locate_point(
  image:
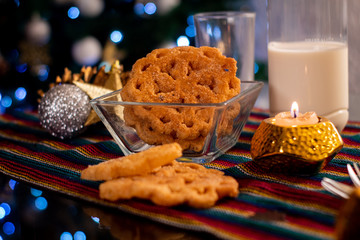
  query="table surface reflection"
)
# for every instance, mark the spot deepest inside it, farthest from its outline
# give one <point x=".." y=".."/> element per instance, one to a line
<point x="31" y="213"/>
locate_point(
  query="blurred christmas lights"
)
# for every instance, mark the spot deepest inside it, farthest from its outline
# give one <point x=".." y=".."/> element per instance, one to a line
<point x="150" y="8"/>
<point x="20" y="93"/>
<point x="116" y="36"/>
<point x="183" y="41"/>
<point x="12" y="184"/>
<point x="41" y="203"/>
<point x="217" y="33"/>
<point x="6" y="101"/>
<point x="6" y="207"/>
<point x="79" y="235"/>
<point x="139" y="9"/>
<point x="209" y="30"/>
<point x="8" y="228"/>
<point x="256" y="68"/>
<point x="90" y="8"/>
<point x="43" y="72"/>
<point x="21" y="68"/>
<point x="38" y="30"/>
<point x="73" y="12"/>
<point x="190" y="20"/>
<point x="66" y="236"/>
<point x="35" y="192"/>
<point x="95" y="219"/>
<point x="106" y="64"/>
<point x="190" y="31"/>
<point x="87" y="51"/>
<point x="2" y="213"/>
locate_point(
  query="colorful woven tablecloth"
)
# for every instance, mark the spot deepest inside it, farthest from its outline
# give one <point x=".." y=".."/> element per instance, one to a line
<point x="268" y="207"/>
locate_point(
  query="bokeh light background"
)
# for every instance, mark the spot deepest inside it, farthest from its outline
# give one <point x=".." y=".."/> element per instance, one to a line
<point x="39" y="38"/>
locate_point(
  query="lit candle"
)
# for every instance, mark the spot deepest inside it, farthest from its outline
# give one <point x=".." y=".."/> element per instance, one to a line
<point x="294" y="118"/>
<point x="295" y="143"/>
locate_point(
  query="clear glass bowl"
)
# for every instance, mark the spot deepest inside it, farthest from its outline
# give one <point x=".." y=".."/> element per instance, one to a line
<point x="207" y="132"/>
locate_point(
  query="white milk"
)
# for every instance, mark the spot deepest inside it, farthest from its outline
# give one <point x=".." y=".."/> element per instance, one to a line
<point x="315" y="74"/>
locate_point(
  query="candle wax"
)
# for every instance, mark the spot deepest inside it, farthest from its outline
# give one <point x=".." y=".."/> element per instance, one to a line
<point x="285" y="119"/>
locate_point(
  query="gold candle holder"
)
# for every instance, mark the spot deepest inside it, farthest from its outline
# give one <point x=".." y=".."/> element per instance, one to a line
<point x="297" y="150"/>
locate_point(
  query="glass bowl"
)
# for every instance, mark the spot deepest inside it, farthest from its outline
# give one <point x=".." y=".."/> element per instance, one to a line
<point x="208" y="130"/>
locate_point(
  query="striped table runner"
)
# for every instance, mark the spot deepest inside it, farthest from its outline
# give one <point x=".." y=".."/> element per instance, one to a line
<point x="268" y="207"/>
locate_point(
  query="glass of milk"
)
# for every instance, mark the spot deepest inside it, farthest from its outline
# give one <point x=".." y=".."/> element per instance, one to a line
<point x="233" y="33"/>
<point x="308" y="57"/>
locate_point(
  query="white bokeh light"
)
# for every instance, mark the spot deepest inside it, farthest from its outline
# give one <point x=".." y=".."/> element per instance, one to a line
<point x="183" y="41"/>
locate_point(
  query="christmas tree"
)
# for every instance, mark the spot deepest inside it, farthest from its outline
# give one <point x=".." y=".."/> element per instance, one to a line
<point x="40" y="38"/>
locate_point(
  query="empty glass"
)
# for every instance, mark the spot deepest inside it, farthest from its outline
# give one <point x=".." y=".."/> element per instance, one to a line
<point x="233" y="33"/>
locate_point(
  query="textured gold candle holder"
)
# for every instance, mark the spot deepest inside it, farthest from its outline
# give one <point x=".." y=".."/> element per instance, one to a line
<point x="298" y="150"/>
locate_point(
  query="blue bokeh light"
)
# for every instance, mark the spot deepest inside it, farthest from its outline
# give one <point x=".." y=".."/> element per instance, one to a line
<point x="2" y="213"/>
<point x="190" y="20"/>
<point x="139" y="8"/>
<point x="183" y="41"/>
<point x="41" y="203"/>
<point x="107" y="66"/>
<point x="12" y="184"/>
<point x="66" y="236"/>
<point x="217" y="32"/>
<point x="95" y="219"/>
<point x="1" y="238"/>
<point x="116" y="36"/>
<point x="73" y="12"/>
<point x="190" y="31"/>
<point x="8" y="228"/>
<point x="43" y="72"/>
<point x="150" y="8"/>
<point x="6" y="207"/>
<point x="256" y="68"/>
<point x="209" y="30"/>
<point x="17" y="2"/>
<point x="6" y="101"/>
<point x="35" y="192"/>
<point x="20" y="93"/>
<point x="79" y="235"/>
<point x="21" y="68"/>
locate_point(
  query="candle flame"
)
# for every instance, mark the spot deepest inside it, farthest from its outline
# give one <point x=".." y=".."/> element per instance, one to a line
<point x="294" y="109"/>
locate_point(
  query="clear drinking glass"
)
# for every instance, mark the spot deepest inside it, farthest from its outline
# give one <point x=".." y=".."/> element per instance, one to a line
<point x="233" y="33"/>
<point x="308" y="57"/>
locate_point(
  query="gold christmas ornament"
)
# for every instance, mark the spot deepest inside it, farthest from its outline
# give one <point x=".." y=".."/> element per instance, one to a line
<point x="94" y="83"/>
<point x="92" y="91"/>
<point x="113" y="81"/>
<point x="299" y="150"/>
<point x="105" y="83"/>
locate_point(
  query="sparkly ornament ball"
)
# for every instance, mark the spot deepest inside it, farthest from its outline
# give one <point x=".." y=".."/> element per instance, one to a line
<point x="63" y="110"/>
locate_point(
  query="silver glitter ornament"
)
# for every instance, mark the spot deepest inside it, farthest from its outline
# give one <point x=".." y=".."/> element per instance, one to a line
<point x="63" y="110"/>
